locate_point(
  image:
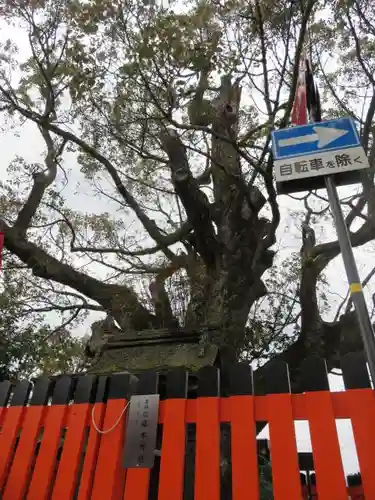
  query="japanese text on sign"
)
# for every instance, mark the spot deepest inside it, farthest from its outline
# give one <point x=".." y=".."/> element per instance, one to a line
<point x="298" y="167"/>
<point x="141" y="431"/>
<point x="321" y="164"/>
<point x="142" y="416"/>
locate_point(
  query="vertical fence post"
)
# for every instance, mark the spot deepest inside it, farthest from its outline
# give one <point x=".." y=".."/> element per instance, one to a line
<point x="245" y="474"/>
<point x="284" y="457"/>
<point x="330" y="478"/>
<point x="11" y="428"/>
<point x="20" y="472"/>
<point x="138" y="480"/>
<point x="79" y="414"/>
<point x="108" y="466"/>
<point x="171" y="483"/>
<point x="93" y="444"/>
<point x="207" y="457"/>
<point x="54" y="423"/>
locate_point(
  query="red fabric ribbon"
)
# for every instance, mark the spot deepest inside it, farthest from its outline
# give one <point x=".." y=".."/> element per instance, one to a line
<point x="299" y="111"/>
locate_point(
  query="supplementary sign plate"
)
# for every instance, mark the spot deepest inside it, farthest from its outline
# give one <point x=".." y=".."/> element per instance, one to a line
<point x="326" y="163"/>
<point x="141" y="432"/>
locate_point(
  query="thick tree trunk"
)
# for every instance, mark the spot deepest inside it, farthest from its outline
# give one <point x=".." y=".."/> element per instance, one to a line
<point x="218" y="311"/>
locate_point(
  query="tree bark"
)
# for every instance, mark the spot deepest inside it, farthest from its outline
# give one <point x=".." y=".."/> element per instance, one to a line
<point x="120" y="301"/>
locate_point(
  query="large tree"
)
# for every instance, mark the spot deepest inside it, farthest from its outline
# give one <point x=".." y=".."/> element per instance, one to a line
<point x="165" y="114"/>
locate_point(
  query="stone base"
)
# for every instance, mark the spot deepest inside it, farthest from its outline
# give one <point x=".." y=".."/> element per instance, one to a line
<point x="159" y="357"/>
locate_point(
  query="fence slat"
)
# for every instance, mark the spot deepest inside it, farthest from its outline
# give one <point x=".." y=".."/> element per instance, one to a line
<point x="11" y="427"/>
<point x="45" y="465"/>
<point x="108" y="466"/>
<point x="171" y="481"/>
<point x="245" y="482"/>
<point x="138" y="480"/>
<point x="137" y="483"/>
<point x="4" y="392"/>
<point x="362" y="403"/>
<point x="21" y="467"/>
<point x="274" y="380"/>
<point x="354" y="371"/>
<point x="19" y="473"/>
<point x="66" y="478"/>
<point x="313" y="374"/>
<point x="207" y="457"/>
<point x="284" y="458"/>
<point x="329" y="471"/>
<point x="92" y="449"/>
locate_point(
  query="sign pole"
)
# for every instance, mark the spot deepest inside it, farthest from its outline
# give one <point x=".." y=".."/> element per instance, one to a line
<point x="355" y="286"/>
<point x="334" y="147"/>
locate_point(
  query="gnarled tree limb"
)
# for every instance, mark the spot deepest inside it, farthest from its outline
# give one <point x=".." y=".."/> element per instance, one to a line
<point x="42" y="180"/>
<point x="121" y="300"/>
<point x="193" y="199"/>
<point x="332" y="249"/>
<point x="159" y="295"/>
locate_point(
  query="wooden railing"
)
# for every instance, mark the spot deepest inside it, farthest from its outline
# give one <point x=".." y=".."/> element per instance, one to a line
<point x="50" y="448"/>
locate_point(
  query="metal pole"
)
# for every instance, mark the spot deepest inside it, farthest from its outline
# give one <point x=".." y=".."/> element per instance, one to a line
<point x="355" y="286"/>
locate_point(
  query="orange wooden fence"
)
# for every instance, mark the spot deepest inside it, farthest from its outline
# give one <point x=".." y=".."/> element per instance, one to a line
<point x="49" y="448"/>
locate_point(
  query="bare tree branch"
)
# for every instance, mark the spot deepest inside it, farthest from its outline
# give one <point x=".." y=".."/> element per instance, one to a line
<point x="332" y="249"/>
<point x="359" y="50"/>
<point x="148" y="224"/>
<point x="350" y="301"/>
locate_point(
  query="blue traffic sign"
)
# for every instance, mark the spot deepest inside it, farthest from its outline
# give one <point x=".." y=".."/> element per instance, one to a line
<point x="314" y="138"/>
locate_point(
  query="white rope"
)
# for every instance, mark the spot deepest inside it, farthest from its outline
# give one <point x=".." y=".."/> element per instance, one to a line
<point x="102" y="431"/>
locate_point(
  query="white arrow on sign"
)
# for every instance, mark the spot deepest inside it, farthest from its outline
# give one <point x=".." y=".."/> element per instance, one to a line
<point x="324" y="136"/>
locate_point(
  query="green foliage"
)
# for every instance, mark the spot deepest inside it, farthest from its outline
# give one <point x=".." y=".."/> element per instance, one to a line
<point x="26" y="353"/>
<point x="28" y="350"/>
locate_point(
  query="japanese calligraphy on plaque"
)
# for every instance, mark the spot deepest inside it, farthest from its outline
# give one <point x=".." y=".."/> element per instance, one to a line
<point x="141" y="431"/>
